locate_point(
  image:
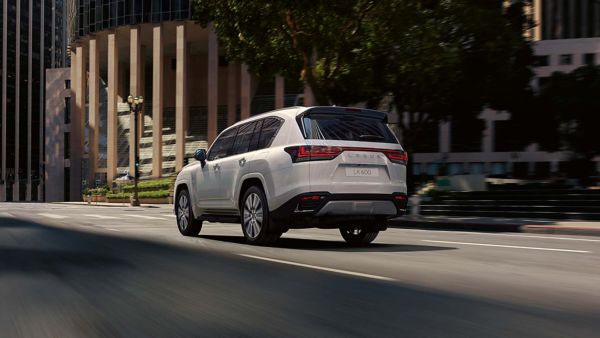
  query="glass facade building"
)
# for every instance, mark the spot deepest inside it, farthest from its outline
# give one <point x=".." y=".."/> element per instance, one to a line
<point x="570" y="19"/>
<point x="97" y="15"/>
<point x="32" y="40"/>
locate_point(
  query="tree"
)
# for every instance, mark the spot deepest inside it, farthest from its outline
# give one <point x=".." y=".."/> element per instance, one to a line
<point x="318" y="41"/>
<point x="438" y="59"/>
<point x="455" y="58"/>
<point x="568" y="105"/>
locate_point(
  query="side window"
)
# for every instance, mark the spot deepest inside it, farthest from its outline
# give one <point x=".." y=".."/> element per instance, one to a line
<point x="223" y="145"/>
<point x="242" y="140"/>
<point x="268" y="131"/>
<point x="255" y="136"/>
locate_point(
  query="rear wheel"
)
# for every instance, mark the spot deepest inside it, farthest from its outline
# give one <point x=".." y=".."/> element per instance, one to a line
<point x="358" y="236"/>
<point x="186" y="222"/>
<point x="255" y="219"/>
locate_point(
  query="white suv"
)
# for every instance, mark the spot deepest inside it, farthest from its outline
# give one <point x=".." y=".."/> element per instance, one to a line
<point x="324" y="167"/>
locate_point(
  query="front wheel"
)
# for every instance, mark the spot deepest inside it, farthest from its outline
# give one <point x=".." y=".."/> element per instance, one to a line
<point x="255" y="219"/>
<point x="358" y="236"/>
<point x="186" y="222"/>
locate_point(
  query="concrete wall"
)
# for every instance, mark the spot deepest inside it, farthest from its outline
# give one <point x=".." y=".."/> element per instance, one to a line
<point x="55" y="128"/>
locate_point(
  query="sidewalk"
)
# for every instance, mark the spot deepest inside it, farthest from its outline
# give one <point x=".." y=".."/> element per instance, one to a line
<point x="121" y="205"/>
<point x="493" y="224"/>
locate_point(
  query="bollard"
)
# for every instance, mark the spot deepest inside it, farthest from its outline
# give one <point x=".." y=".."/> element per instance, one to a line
<point x="415" y="205"/>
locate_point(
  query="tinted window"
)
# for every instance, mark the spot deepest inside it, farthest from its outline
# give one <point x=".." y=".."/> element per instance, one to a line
<point x="255" y="136"/>
<point x="268" y="131"/>
<point x="242" y="140"/>
<point x="347" y="127"/>
<point x="223" y="145"/>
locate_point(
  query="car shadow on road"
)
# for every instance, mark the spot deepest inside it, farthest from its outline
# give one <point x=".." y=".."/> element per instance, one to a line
<point x="322" y="245"/>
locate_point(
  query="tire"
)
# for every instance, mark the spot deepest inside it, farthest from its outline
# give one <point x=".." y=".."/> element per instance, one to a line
<point x="255" y="218"/>
<point x="187" y="224"/>
<point x="358" y="236"/>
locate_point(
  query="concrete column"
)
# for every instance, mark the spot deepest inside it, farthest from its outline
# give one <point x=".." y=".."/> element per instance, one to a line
<point x="134" y="89"/>
<point x="78" y="123"/>
<point x="157" y="100"/>
<point x="213" y="83"/>
<point x="181" y="108"/>
<point x="279" y="92"/>
<point x="112" y="97"/>
<point x="94" y="109"/>
<point x="445" y="140"/>
<point x="537" y="12"/>
<point x="245" y="92"/>
<point x="4" y="66"/>
<point x="309" y="98"/>
<point x="17" y="103"/>
<point x="232" y="92"/>
<point x="29" y="103"/>
<point x="488" y="136"/>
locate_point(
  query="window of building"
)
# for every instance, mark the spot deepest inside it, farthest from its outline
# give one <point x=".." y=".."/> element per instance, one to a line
<point x="589" y="59"/>
<point x="67" y="110"/>
<point x="565" y="59"/>
<point x="498" y="169"/>
<point x="476" y="168"/>
<point x="67" y="84"/>
<point x="455" y="168"/>
<point x="542" y="61"/>
<point x="433" y="169"/>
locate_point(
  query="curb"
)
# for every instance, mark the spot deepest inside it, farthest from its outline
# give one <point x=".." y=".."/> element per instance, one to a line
<point x="560" y="230"/>
<point x="495" y="227"/>
<point x="454" y="226"/>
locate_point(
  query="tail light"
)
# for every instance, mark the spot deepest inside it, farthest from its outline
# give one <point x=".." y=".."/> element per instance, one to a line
<point x="323" y="153"/>
<point x="397" y="156"/>
<point x="313" y="153"/>
<point x="310" y="202"/>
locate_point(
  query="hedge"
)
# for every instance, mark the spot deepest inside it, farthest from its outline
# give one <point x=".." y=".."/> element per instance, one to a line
<point x="150" y="185"/>
<point x="102" y="191"/>
<point x="141" y="194"/>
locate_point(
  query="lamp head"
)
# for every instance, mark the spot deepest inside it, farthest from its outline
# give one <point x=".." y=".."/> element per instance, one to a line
<point x="130" y="99"/>
<point x="136" y="100"/>
<point x="141" y="99"/>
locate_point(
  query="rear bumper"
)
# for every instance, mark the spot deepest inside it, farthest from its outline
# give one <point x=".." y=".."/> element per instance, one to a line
<point x="338" y="210"/>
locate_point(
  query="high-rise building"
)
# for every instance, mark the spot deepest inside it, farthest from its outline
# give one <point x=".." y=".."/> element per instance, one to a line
<point x="32" y="40"/>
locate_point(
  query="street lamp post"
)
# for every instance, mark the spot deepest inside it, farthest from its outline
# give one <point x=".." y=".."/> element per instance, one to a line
<point x="136" y="105"/>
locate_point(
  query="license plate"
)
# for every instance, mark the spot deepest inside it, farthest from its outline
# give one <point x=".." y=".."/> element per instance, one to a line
<point x="362" y="172"/>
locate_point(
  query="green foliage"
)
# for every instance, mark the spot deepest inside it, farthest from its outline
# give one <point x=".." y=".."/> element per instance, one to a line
<point x="150" y="185"/>
<point x="569" y="108"/>
<point x="143" y="194"/>
<point x="101" y="191"/>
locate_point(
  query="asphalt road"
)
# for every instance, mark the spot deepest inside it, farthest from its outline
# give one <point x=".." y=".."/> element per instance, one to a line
<point x="79" y="271"/>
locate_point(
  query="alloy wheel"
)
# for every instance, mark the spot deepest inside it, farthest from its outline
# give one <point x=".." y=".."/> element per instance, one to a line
<point x="253" y="215"/>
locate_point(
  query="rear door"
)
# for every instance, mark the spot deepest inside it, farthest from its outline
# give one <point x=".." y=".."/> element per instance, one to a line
<point x="353" y="151"/>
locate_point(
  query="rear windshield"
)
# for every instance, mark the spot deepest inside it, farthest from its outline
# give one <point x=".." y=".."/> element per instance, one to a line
<point x="346" y="127"/>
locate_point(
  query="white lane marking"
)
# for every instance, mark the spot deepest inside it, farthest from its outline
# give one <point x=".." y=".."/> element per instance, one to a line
<point x="511" y="235"/>
<point x="55" y="216"/>
<point x="343" y="272"/>
<point x="111" y="229"/>
<point x="6" y="214"/>
<point x="102" y="216"/>
<point x="507" y="246"/>
<point x="146" y="217"/>
<point x="551" y="237"/>
<point x="169" y="215"/>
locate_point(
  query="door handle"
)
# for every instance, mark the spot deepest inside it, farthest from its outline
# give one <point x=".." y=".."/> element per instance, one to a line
<point x="242" y="162"/>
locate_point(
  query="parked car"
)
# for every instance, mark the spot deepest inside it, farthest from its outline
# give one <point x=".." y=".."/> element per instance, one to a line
<point x="300" y="167"/>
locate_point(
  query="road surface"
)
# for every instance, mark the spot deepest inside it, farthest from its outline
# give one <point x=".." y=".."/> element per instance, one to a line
<point x="75" y="271"/>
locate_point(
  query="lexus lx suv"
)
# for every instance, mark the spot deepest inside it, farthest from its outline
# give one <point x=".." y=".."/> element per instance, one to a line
<point x="300" y="167"/>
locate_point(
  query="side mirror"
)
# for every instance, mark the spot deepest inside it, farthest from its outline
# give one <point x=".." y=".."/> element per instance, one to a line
<point x="200" y="156"/>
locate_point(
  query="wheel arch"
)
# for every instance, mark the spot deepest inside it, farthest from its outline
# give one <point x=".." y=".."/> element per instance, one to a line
<point x="249" y="181"/>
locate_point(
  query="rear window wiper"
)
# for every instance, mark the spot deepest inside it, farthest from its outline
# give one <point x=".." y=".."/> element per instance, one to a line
<point x="371" y="137"/>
